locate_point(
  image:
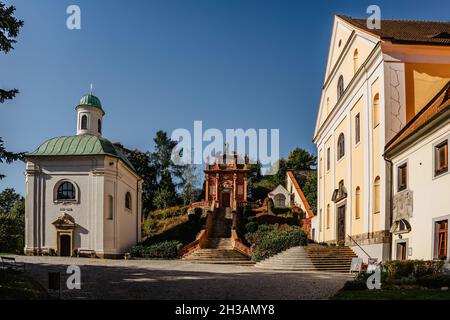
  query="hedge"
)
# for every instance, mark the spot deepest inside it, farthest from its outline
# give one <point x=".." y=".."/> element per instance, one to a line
<point x="161" y="250"/>
<point x="398" y="269"/>
<point x="269" y="240"/>
<point x="434" y="281"/>
<point x="168" y="213"/>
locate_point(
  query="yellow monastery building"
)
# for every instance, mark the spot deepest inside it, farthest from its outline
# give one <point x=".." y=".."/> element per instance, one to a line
<point x="376" y="84"/>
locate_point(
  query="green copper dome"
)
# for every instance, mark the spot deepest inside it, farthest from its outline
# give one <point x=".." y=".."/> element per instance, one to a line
<point x="90" y="100"/>
<point x="81" y="145"/>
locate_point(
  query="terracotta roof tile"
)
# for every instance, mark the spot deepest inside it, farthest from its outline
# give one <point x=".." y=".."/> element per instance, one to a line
<point x="407" y="31"/>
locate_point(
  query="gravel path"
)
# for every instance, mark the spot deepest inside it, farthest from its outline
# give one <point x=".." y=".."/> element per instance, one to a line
<point x="176" y="279"/>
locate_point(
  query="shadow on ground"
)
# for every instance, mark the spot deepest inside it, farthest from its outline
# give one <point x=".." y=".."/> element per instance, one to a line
<point x="134" y="282"/>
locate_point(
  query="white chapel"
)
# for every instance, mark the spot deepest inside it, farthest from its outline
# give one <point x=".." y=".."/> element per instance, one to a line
<point x="83" y="196"/>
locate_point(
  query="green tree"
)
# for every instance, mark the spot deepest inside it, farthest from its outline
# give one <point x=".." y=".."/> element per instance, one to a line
<point x="8" y="199"/>
<point x="12" y="221"/>
<point x="9" y="30"/>
<point x="190" y="181"/>
<point x="166" y="170"/>
<point x="144" y="166"/>
<point x="164" y="198"/>
<point x="300" y="159"/>
<point x="310" y="191"/>
<point x="280" y="176"/>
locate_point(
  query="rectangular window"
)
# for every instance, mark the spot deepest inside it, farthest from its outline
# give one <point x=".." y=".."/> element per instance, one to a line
<point x="110" y="208"/>
<point x="328" y="159"/>
<point x="402" y="177"/>
<point x="240" y="190"/>
<point x="357" y="129"/>
<point x="441" y="239"/>
<point x="212" y="189"/>
<point x="441" y="158"/>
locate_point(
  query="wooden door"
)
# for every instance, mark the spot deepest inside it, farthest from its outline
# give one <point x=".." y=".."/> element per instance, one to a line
<point x="341" y="225"/>
<point x="65" y="245"/>
<point x="225" y="200"/>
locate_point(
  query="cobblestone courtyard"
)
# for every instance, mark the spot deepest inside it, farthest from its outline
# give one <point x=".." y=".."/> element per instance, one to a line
<point x="158" y="279"/>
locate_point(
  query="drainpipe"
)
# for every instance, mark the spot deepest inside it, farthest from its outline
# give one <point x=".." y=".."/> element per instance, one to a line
<point x="391" y="199"/>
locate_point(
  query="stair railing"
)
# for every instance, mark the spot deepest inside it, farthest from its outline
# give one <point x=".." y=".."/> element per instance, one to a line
<point x="359" y="246"/>
<point x="235" y="241"/>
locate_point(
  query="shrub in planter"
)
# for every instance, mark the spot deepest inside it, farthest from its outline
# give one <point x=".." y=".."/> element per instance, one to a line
<point x="160" y="250"/>
<point x="434" y="281"/>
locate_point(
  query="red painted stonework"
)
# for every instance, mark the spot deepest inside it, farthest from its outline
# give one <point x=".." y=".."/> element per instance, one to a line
<point x="226" y="181"/>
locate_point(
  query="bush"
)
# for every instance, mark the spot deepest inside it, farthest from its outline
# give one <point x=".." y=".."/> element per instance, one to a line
<point x="252" y="226"/>
<point x="161" y="250"/>
<point x="355" y="285"/>
<point x="169" y="212"/>
<point x="149" y="226"/>
<point x="269" y="240"/>
<point x="252" y="219"/>
<point x="198" y="212"/>
<point x="282" y="211"/>
<point x="434" y="281"/>
<point x="398" y="269"/>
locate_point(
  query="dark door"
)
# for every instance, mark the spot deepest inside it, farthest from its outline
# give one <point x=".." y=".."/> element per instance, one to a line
<point x="225" y="200"/>
<point x="64" y="245"/>
<point x="401" y="251"/>
<point x="341" y="225"/>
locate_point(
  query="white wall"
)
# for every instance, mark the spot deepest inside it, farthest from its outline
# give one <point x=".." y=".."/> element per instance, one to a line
<point x="430" y="195"/>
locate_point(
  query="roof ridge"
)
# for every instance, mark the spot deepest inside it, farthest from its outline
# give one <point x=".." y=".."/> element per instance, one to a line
<point x="400" y="20"/>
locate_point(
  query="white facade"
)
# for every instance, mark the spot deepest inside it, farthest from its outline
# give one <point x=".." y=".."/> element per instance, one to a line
<point x="429" y="194"/>
<point x="98" y="219"/>
<point x="280" y="197"/>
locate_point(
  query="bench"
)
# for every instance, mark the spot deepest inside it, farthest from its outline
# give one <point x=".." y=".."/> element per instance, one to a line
<point x="86" y="253"/>
<point x="11" y="263"/>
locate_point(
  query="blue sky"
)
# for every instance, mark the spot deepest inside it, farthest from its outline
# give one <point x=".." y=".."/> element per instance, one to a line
<point x="163" y="64"/>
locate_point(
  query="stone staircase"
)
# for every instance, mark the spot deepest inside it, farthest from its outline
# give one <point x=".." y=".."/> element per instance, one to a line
<point x="311" y="258"/>
<point x="218" y="248"/>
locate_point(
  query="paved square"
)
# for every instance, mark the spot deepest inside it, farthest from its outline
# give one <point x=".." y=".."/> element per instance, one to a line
<point x="176" y="279"/>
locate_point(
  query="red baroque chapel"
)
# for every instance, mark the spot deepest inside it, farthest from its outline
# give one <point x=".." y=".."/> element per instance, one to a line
<point x="226" y="181"/>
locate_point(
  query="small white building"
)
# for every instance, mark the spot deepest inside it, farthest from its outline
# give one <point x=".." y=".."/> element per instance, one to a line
<point x="280" y="196"/>
<point x="421" y="182"/>
<point x="82" y="193"/>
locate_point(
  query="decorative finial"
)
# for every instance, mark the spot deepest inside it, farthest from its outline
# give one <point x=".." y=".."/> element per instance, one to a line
<point x="90" y="89"/>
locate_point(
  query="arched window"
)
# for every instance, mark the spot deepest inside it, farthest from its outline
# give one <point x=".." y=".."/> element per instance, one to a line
<point x="341" y="146"/>
<point x="328" y="216"/>
<point x="128" y="200"/>
<point x="99" y="125"/>
<point x="376" y="195"/>
<point x="355" y="61"/>
<point x="84" y="122"/>
<point x="358" y="203"/>
<point x="66" y="191"/>
<point x="340" y="87"/>
<point x="376" y="110"/>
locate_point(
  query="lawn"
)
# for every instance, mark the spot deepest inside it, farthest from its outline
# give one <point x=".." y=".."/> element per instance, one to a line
<point x="394" y="293"/>
<point x="15" y="285"/>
